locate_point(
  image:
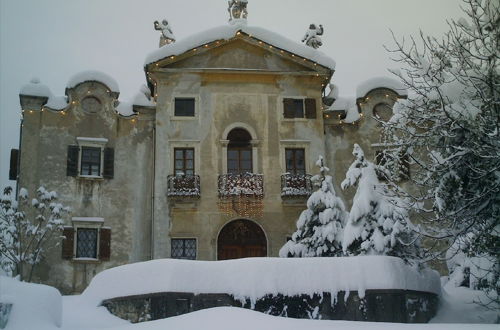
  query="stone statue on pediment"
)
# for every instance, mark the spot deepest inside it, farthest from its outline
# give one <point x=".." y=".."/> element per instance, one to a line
<point x="237" y="10"/>
<point x="312" y="37"/>
<point x="166" y="37"/>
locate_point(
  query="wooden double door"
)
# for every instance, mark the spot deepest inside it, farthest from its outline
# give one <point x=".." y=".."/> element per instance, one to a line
<point x="241" y="239"/>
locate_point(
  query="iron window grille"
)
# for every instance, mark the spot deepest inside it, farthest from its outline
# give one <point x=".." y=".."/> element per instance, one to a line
<point x="183" y="248"/>
<point x="86" y="243"/>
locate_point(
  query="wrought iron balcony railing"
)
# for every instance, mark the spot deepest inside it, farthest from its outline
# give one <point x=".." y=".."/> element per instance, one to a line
<point x="295" y="185"/>
<point x="247" y="184"/>
<point x="183" y="185"/>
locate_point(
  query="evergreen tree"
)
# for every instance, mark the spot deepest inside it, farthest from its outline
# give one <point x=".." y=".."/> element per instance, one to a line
<point x="319" y="228"/>
<point x="377" y="223"/>
<point x="450" y="128"/>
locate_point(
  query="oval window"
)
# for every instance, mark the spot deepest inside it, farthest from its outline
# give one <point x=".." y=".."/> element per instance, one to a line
<point x="91" y="104"/>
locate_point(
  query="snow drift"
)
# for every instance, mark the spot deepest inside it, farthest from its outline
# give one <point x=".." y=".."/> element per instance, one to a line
<point x="34" y="306"/>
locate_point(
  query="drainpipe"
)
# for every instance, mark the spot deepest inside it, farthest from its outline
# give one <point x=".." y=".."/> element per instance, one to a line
<point x="153" y="192"/>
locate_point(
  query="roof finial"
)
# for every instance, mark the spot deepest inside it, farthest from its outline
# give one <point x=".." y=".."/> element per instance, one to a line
<point x="237" y="11"/>
<point x="167" y="37"/>
<point x="311" y="38"/>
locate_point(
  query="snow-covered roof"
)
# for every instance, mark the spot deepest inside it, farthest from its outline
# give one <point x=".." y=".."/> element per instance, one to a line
<point x="57" y="102"/>
<point x="380" y="82"/>
<point x="343" y="103"/>
<point x="227" y="32"/>
<point x="93" y="76"/>
<point x="35" y="88"/>
<point x="349" y="106"/>
<point x="243" y="278"/>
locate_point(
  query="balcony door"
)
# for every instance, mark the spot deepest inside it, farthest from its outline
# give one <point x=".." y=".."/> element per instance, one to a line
<point x="239" y="152"/>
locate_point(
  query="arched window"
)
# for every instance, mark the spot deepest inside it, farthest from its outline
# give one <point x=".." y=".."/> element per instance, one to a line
<point x="239" y="152"/>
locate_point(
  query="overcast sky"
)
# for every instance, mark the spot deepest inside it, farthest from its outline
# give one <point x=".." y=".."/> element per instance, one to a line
<point x="54" y="39"/>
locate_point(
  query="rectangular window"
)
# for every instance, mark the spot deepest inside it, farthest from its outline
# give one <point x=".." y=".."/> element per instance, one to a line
<point x="184" y="107"/>
<point x="184" y="161"/>
<point x="183" y="248"/>
<point x="239" y="160"/>
<point x="86" y="243"/>
<point x="90" y="163"/>
<point x="295" y="161"/>
<point x="299" y="108"/>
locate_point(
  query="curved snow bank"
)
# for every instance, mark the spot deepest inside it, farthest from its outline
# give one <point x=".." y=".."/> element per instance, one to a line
<point x="93" y="76"/>
<point x="229" y="318"/>
<point x="34" y="306"/>
<point x="254" y="278"/>
<point x="227" y="32"/>
<point x="381" y="82"/>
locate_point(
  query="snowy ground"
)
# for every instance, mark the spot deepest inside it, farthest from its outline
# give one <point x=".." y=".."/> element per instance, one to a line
<point x="456" y="308"/>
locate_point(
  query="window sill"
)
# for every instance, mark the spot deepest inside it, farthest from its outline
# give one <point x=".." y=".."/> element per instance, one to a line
<point x="91" y="177"/>
<point x="86" y="260"/>
<point x="296" y="119"/>
<point x="183" y="118"/>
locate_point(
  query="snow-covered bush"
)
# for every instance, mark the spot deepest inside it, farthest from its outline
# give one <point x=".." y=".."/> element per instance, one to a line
<point x="26" y="229"/>
<point x="377" y="223"/>
<point x="319" y="228"/>
<point x="450" y="128"/>
<point x="475" y="272"/>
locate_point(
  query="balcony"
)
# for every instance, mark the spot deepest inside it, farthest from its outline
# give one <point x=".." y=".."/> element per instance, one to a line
<point x="183" y="186"/>
<point x="247" y="184"/>
<point x="296" y="185"/>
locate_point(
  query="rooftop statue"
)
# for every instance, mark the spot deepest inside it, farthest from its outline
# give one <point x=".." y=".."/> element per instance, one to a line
<point x="312" y="36"/>
<point x="237" y="9"/>
<point x="167" y="37"/>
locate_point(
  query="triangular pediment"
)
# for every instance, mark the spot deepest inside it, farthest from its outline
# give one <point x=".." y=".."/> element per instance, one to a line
<point x="241" y="53"/>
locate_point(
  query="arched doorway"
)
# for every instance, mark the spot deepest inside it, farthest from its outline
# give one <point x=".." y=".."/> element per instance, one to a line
<point x="241" y="239"/>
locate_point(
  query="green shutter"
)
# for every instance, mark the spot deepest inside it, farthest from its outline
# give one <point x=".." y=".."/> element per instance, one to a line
<point x="68" y="243"/>
<point x="310" y="108"/>
<point x="72" y="161"/>
<point x="105" y="244"/>
<point x="109" y="161"/>
<point x="288" y="108"/>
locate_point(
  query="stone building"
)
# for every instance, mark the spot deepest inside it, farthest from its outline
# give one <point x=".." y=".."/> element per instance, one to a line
<point x="211" y="161"/>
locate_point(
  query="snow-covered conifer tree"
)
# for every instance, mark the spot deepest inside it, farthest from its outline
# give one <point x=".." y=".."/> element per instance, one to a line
<point x="377" y="223"/>
<point x="450" y="128"/>
<point x="319" y="228"/>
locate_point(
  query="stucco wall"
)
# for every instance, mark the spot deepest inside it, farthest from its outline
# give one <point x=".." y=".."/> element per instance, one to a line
<point x="123" y="201"/>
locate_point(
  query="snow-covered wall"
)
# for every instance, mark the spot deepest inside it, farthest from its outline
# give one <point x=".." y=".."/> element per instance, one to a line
<point x="254" y="278"/>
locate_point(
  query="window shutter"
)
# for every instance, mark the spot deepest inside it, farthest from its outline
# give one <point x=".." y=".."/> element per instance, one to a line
<point x="14" y="164"/>
<point x="109" y="160"/>
<point x="72" y="161"/>
<point x="68" y="243"/>
<point x="105" y="244"/>
<point x="288" y="109"/>
<point x="310" y="108"/>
